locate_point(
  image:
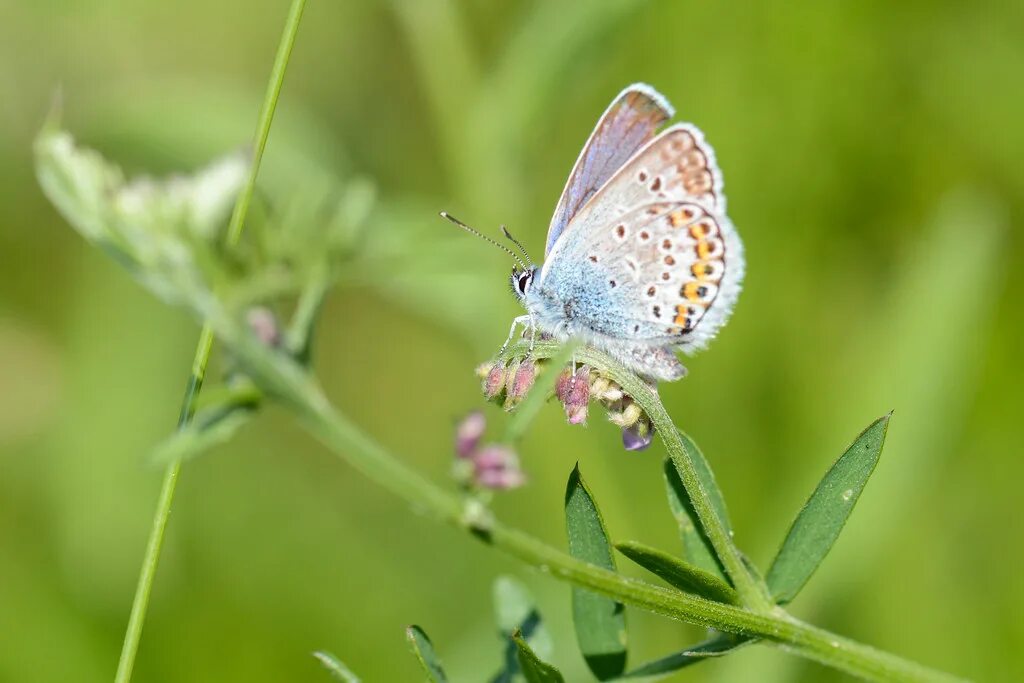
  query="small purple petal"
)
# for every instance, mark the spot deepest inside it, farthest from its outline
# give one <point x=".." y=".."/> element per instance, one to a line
<point x="468" y="433"/>
<point x="638" y="437"/>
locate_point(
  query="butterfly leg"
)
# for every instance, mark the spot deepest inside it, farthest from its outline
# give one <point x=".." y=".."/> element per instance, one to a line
<point x="524" y="320"/>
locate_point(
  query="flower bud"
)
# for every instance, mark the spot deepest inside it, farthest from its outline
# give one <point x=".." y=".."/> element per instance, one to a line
<point x="494" y="379"/>
<point x="468" y="434"/>
<point x="497" y="467"/>
<point x="573" y="390"/>
<point x="525" y="374"/>
<point x="263" y="324"/>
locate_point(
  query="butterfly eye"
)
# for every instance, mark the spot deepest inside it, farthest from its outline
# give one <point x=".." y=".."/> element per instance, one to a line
<point x="524" y="282"/>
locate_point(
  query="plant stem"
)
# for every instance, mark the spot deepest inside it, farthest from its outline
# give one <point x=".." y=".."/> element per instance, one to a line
<point x="289" y="382"/>
<point x="751" y="592"/>
<point x="137" y="617"/>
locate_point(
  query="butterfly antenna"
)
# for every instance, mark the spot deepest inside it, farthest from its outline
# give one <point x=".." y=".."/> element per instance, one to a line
<point x="513" y="240"/>
<point x="499" y="245"/>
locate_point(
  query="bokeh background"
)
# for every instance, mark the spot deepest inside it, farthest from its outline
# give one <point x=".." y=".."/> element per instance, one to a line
<point x="872" y="156"/>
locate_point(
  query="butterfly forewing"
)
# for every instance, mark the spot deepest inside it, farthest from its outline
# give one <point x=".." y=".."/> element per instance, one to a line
<point x="629" y="123"/>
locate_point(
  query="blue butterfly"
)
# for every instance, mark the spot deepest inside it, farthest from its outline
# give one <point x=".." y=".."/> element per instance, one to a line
<point x="640" y="258"/>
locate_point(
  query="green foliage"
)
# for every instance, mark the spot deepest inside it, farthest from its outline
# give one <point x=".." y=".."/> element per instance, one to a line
<point x="338" y="670"/>
<point x="823" y="516"/>
<point x="424" y="651"/>
<point x="534" y="669"/>
<point x="716" y="646"/>
<point x="697" y="547"/>
<point x="684" y="576"/>
<point x="406" y="273"/>
<point x="600" y="621"/>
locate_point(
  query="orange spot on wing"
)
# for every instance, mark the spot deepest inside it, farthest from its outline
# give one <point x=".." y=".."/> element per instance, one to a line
<point x="700" y="230"/>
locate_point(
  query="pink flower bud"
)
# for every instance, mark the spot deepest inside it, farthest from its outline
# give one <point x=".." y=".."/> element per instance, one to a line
<point x="468" y="433"/>
<point x="526" y="373"/>
<point x="263" y="323"/>
<point x="494" y="382"/>
<point x="573" y="390"/>
<point x="497" y="467"/>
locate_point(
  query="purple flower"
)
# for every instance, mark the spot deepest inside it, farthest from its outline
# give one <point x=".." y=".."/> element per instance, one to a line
<point x="638" y="436"/>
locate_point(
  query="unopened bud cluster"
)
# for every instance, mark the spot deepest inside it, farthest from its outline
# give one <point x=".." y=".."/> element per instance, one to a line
<point x="575" y="388"/>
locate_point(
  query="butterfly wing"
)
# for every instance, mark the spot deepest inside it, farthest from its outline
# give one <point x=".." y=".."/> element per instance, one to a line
<point x="628" y="124"/>
<point x="651" y="258"/>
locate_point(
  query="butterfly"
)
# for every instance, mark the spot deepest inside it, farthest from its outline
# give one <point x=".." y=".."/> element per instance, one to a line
<point x="640" y="259"/>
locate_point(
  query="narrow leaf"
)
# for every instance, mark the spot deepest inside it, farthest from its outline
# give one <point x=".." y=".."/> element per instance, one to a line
<point x="424" y="651"/>
<point x="516" y="611"/>
<point x="686" y="577"/>
<point x="717" y="646"/>
<point x="338" y="670"/>
<point x="534" y="669"/>
<point x="819" y="522"/>
<point x="209" y="429"/>
<point x="697" y="548"/>
<point x="600" y="622"/>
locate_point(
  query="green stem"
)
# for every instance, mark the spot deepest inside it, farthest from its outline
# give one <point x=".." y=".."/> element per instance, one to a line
<point x="140" y="603"/>
<point x="289" y="382"/>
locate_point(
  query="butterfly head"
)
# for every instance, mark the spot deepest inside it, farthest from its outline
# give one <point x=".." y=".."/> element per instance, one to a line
<point x="521" y="280"/>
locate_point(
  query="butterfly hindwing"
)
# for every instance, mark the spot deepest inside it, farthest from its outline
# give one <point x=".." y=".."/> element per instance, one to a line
<point x="663" y="273"/>
<point x="628" y="124"/>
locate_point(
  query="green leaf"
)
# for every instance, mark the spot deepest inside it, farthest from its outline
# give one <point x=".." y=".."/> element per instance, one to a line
<point x="686" y="577"/>
<point x="717" y="646"/>
<point x="600" y="622"/>
<point x="210" y="428"/>
<point x="338" y="670"/>
<point x="534" y="669"/>
<point x="515" y="611"/>
<point x="697" y="548"/>
<point x="819" y="522"/>
<point x="424" y="651"/>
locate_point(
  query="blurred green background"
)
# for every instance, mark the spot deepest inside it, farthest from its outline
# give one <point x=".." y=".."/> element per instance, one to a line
<point x="872" y="157"/>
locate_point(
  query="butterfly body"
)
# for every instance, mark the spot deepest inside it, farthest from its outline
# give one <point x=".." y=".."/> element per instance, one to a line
<point x="641" y="259"/>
